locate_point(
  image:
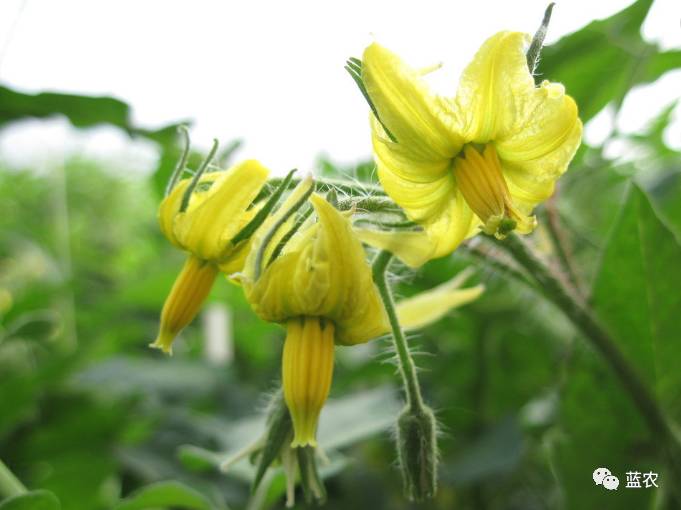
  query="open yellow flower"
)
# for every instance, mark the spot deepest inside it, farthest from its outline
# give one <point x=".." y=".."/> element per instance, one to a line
<point x="482" y="160"/>
<point x="218" y="208"/>
<point x="322" y="289"/>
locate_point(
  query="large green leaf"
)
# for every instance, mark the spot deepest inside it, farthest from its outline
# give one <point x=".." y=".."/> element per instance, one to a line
<point x="82" y="111"/>
<point x="34" y="500"/>
<point x="166" y="495"/>
<point x="636" y="294"/>
<point x="601" y="62"/>
<point x="89" y="111"/>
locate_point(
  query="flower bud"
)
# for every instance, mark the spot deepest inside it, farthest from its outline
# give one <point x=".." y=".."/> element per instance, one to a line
<point x="417" y="451"/>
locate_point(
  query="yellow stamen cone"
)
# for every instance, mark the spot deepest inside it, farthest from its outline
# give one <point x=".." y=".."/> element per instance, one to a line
<point x="481" y="182"/>
<point x="189" y="291"/>
<point x="307" y="369"/>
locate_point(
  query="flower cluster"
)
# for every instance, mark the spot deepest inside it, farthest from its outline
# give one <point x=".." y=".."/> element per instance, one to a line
<point x="480" y="161"/>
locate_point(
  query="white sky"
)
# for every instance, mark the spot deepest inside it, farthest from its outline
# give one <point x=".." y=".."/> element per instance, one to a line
<point x="270" y="73"/>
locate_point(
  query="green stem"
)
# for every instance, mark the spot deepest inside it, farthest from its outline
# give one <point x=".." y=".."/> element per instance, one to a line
<point x="583" y="319"/>
<point x="561" y="245"/>
<point x="9" y="484"/>
<point x="406" y="363"/>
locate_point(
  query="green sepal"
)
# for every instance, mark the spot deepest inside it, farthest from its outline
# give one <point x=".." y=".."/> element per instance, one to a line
<point x="197" y="177"/>
<point x="287" y="237"/>
<point x="267" y="238"/>
<point x="182" y="164"/>
<point x="250" y="228"/>
<point x="279" y="434"/>
<point x="538" y="40"/>
<point x="312" y="484"/>
<point x="354" y="67"/>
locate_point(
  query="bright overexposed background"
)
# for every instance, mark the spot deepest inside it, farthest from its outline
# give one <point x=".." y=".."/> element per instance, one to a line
<point x="270" y="73"/>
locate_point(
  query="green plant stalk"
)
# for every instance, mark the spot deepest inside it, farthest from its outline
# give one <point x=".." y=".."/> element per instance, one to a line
<point x="406" y="363"/>
<point x="583" y="319"/>
<point x="10" y="485"/>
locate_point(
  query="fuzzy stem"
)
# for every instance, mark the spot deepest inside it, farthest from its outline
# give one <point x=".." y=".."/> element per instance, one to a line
<point x="583" y="320"/>
<point x="356" y="190"/>
<point x="406" y="364"/>
<point x="10" y="485"/>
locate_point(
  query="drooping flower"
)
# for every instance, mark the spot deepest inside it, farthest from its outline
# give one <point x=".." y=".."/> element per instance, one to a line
<point x="204" y="224"/>
<point x="481" y="160"/>
<point x="321" y="288"/>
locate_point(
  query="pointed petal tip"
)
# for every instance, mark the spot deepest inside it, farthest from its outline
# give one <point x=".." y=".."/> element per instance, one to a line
<point x="303" y="442"/>
<point x="164" y="344"/>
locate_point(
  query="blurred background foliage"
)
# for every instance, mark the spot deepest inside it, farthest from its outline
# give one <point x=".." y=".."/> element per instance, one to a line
<point x="528" y="410"/>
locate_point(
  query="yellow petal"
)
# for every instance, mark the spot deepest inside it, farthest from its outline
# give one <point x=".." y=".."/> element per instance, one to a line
<point x="490" y="85"/>
<point x="438" y="207"/>
<point x="307" y="371"/>
<point x="414" y="248"/>
<point x="215" y="216"/>
<point x="323" y="274"/>
<point x="169" y="208"/>
<point x="421" y="200"/>
<point x="547" y="136"/>
<point x="420" y="121"/>
<point x="430" y="306"/>
<point x="403" y="162"/>
<point x="189" y="291"/>
<point x="263" y="233"/>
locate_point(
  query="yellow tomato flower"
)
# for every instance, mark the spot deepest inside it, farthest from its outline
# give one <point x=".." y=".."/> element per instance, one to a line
<point x="481" y="160"/>
<point x="219" y="207"/>
<point x="322" y="289"/>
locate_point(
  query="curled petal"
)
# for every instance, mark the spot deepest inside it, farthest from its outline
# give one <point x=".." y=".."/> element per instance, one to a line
<point x="170" y="207"/>
<point x="414" y="248"/>
<point x="416" y="117"/>
<point x="403" y="163"/>
<point x="322" y="273"/>
<point x="430" y="306"/>
<point x="546" y="138"/>
<point x="214" y="216"/>
<point x="438" y="207"/>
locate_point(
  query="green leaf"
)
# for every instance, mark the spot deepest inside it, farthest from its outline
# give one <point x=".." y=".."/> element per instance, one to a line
<point x="131" y="376"/>
<point x="636" y="294"/>
<point x="664" y="192"/>
<point x="34" y="500"/>
<point x="599" y="428"/>
<point x="601" y="62"/>
<point x="165" y="495"/>
<point x="82" y="111"/>
<point x="498" y="451"/>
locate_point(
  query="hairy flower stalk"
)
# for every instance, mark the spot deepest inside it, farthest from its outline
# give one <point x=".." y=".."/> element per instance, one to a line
<point x="416" y="425"/>
<point x="481" y="160"/>
<point x="320" y="286"/>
